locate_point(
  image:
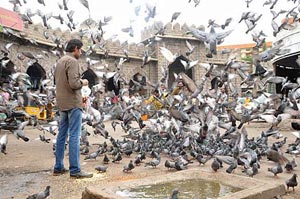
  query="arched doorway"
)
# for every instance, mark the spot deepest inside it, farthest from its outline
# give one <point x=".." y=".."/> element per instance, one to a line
<point x="177" y="67"/>
<point x="36" y="73"/>
<point x="7" y="67"/>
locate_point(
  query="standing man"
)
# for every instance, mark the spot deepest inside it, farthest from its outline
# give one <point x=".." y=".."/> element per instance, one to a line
<point x="69" y="102"/>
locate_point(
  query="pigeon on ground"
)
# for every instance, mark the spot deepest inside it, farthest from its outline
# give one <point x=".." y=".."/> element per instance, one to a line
<point x="292" y="182"/>
<point x="105" y="159"/>
<point x="251" y="171"/>
<point x="169" y="164"/>
<point x="215" y="165"/>
<point x="290" y="165"/>
<point x="154" y="163"/>
<point x="41" y="195"/>
<point x="117" y="158"/>
<point x="91" y="156"/>
<point x="101" y="168"/>
<point x="276" y="170"/>
<point x="174" y="194"/>
<point x="3" y="143"/>
<point x="128" y="167"/>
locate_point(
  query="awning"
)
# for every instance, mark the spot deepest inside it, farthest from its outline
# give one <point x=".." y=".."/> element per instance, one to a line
<point x="10" y="19"/>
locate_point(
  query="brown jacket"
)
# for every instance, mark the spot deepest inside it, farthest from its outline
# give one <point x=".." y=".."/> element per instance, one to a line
<point x="68" y="85"/>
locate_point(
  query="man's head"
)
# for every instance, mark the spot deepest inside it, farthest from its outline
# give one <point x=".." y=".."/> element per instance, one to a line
<point x="180" y="83"/>
<point x="156" y="92"/>
<point x="74" y="47"/>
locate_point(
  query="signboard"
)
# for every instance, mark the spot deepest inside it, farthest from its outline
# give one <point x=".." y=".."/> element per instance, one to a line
<point x="10" y="19"/>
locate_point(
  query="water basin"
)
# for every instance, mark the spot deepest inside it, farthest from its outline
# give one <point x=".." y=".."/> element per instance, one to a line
<point x="188" y="189"/>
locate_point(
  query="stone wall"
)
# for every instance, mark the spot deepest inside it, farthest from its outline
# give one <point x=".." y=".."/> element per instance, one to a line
<point x="174" y="39"/>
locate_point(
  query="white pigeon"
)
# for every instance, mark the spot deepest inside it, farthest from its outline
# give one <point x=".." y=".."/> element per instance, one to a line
<point x="189" y="64"/>
<point x="296" y="133"/>
<point x="3" y="143"/>
<point x="170" y="57"/>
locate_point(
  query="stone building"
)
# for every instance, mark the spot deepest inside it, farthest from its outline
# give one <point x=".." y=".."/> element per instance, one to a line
<point x="46" y="45"/>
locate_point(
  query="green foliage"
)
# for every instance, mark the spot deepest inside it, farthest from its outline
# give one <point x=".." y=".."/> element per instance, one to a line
<point x="248" y="59"/>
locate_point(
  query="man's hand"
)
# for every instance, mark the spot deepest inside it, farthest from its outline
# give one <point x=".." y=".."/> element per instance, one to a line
<point x="84" y="82"/>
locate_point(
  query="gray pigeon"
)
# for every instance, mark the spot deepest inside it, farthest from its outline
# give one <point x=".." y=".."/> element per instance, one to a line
<point x="154" y="163"/>
<point x="292" y="182"/>
<point x="175" y="16"/>
<point x="215" y="165"/>
<point x="251" y="171"/>
<point x="128" y="167"/>
<point x="211" y="39"/>
<point x="276" y="170"/>
<point x="41" y="195"/>
<point x="101" y="168"/>
<point x="231" y="161"/>
<point x="174" y="194"/>
<point x="19" y="133"/>
<point x="3" y="143"/>
<point x="91" y="156"/>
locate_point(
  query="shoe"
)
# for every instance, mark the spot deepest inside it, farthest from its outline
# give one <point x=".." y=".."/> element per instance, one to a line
<point x="81" y="174"/>
<point x="63" y="171"/>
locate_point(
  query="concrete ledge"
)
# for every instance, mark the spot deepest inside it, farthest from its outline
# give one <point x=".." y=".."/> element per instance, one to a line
<point x="251" y="188"/>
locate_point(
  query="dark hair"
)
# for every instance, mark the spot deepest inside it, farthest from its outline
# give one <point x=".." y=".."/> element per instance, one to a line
<point x="72" y="44"/>
<point x="155" y="91"/>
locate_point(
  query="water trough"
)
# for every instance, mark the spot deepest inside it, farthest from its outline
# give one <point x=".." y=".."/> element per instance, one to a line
<point x="240" y="187"/>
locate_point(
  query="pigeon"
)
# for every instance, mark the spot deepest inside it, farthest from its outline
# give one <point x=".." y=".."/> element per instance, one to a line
<point x="231" y="161"/>
<point x="175" y="16"/>
<point x="276" y="170"/>
<point x="41" y="195"/>
<point x="41" y="2"/>
<point x="19" y="133"/>
<point x="170" y="57"/>
<point x="227" y="22"/>
<point x="101" y="168"/>
<point x="174" y="194"/>
<point x="292" y="182"/>
<point x="251" y="171"/>
<point x="154" y="163"/>
<point x="128" y="167"/>
<point x="114" y="124"/>
<point x="117" y="158"/>
<point x="215" y="165"/>
<point x="137" y="10"/>
<point x="276" y="156"/>
<point x="85" y="3"/>
<point x="248" y="2"/>
<point x="290" y="165"/>
<point x="91" y="156"/>
<point x="169" y="164"/>
<point x="295" y="125"/>
<point x="105" y="159"/>
<point x="212" y="39"/>
<point x="3" y="143"/>
<point x="190" y="47"/>
<point x="151" y="12"/>
<point x="44" y="139"/>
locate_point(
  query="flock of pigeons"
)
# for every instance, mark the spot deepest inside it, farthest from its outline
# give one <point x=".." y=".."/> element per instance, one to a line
<point x="188" y="128"/>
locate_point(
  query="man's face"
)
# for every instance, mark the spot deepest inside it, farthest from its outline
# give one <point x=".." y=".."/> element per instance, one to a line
<point x="180" y="84"/>
<point x="77" y="52"/>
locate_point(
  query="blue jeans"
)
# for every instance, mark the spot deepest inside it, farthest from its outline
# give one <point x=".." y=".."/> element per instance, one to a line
<point x="70" y="123"/>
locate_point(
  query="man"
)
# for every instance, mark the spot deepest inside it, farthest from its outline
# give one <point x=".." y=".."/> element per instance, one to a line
<point x="69" y="102"/>
<point x="154" y="99"/>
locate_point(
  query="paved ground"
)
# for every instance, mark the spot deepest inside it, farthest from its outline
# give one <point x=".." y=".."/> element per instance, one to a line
<point x="26" y="169"/>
